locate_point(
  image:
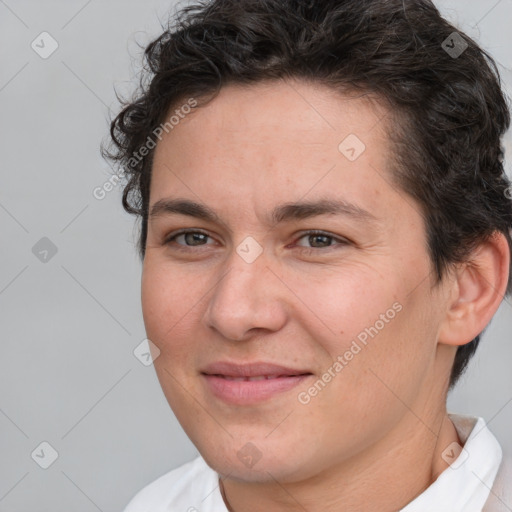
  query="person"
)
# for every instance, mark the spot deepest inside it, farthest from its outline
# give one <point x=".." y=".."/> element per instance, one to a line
<point x="325" y="235"/>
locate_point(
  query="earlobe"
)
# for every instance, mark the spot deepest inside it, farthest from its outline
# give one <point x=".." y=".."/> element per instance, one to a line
<point x="477" y="291"/>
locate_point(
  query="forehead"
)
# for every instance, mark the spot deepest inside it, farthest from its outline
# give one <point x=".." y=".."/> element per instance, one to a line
<point x="304" y="111"/>
<point x="278" y="140"/>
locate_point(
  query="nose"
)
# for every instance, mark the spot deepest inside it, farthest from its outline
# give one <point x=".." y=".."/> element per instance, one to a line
<point x="248" y="299"/>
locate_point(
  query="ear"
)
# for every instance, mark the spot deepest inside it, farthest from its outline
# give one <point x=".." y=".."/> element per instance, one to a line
<point x="477" y="291"/>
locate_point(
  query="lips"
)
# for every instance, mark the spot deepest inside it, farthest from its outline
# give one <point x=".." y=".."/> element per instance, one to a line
<point x="252" y="379"/>
<point x="255" y="370"/>
<point x="248" y="384"/>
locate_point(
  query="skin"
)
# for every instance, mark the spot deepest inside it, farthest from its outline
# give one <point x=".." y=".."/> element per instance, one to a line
<point x="373" y="437"/>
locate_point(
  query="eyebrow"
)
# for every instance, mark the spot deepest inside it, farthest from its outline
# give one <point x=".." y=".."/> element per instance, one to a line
<point x="282" y="213"/>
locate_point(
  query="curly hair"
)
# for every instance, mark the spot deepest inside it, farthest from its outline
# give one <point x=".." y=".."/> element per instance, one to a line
<point x="448" y="109"/>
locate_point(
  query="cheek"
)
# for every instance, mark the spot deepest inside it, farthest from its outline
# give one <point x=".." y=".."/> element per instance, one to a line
<point x="168" y="302"/>
<point x="368" y="327"/>
<point x="346" y="303"/>
<point x="384" y="365"/>
<point x="168" y="313"/>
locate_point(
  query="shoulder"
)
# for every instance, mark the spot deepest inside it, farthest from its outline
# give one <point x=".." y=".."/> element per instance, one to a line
<point x="500" y="497"/>
<point x="182" y="488"/>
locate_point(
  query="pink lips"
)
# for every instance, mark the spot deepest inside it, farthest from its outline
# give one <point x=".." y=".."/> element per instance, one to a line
<point x="244" y="384"/>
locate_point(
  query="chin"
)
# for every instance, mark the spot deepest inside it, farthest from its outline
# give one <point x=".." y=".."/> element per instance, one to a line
<point x="262" y="467"/>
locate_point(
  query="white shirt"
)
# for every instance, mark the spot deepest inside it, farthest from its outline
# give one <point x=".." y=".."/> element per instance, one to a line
<point x="466" y="486"/>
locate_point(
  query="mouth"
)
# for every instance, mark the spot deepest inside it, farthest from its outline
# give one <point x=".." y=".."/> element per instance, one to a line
<point x="257" y="377"/>
<point x="246" y="384"/>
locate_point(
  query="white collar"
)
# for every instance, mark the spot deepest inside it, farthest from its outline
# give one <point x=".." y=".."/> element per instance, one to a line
<point x="466" y="484"/>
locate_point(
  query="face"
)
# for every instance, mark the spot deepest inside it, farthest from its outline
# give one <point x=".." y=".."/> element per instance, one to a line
<point x="310" y="259"/>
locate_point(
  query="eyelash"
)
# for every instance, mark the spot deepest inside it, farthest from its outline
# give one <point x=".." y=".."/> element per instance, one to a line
<point x="341" y="241"/>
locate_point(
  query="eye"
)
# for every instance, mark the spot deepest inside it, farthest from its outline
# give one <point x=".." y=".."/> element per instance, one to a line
<point x="317" y="239"/>
<point x="188" y="238"/>
<point x="320" y="240"/>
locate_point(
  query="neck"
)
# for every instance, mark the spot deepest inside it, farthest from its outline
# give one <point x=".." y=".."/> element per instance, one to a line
<point x="387" y="476"/>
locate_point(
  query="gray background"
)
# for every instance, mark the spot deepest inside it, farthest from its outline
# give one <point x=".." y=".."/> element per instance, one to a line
<point x="68" y="375"/>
